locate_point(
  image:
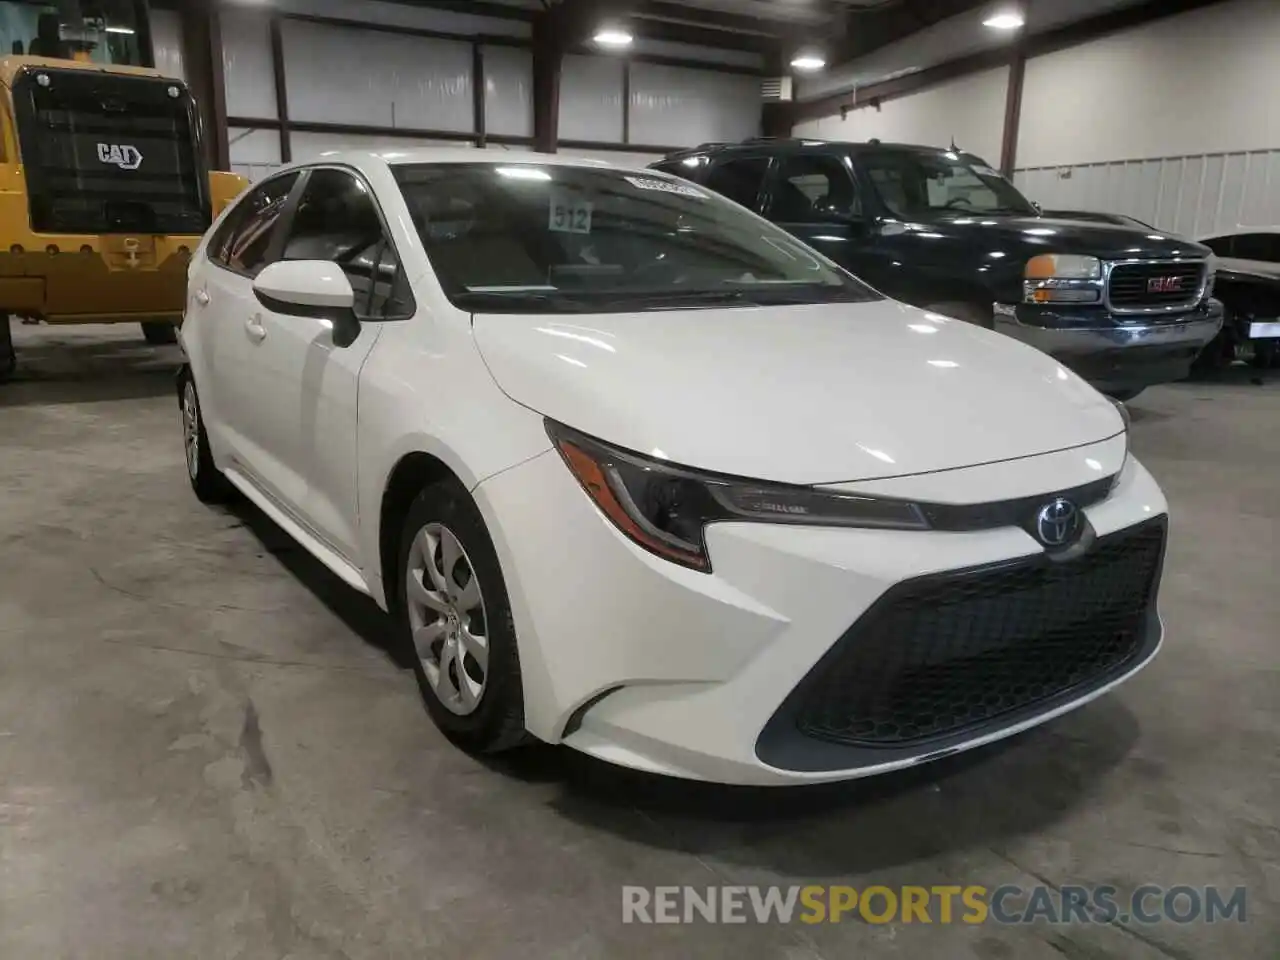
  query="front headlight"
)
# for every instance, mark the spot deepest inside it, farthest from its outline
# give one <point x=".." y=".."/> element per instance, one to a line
<point x="1211" y="275"/>
<point x="1124" y="415"/>
<point x="665" y="509"/>
<point x="1062" y="278"/>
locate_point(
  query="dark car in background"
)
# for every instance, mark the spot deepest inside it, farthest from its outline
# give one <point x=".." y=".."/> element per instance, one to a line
<point x="1249" y="287"/>
<point x="1124" y="307"/>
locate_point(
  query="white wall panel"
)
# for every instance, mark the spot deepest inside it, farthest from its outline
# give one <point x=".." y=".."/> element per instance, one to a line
<point x="969" y="110"/>
<point x="678" y="106"/>
<point x="313" y="146"/>
<point x="508" y="91"/>
<point x="339" y="75"/>
<point x="619" y="158"/>
<point x="1185" y="85"/>
<point x="401" y="15"/>
<point x="254" y="153"/>
<point x="591" y="98"/>
<point x="949" y="39"/>
<point x="1193" y="195"/>
<point x="166" y="41"/>
<point x="246" y="63"/>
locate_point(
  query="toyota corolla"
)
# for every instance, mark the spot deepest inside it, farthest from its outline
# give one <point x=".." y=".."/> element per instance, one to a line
<point x="635" y="471"/>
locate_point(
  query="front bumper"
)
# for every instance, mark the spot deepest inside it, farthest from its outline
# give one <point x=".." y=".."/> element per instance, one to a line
<point x="647" y="664"/>
<point x="1114" y="353"/>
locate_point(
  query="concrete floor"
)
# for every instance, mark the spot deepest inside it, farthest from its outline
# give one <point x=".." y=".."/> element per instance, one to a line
<point x="204" y="751"/>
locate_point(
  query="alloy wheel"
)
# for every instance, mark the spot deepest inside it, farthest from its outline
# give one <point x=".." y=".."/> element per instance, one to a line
<point x="191" y="429"/>
<point x="447" y="618"/>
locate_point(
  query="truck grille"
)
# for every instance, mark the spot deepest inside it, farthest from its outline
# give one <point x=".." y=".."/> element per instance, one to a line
<point x="1155" y="286"/>
<point x="943" y="654"/>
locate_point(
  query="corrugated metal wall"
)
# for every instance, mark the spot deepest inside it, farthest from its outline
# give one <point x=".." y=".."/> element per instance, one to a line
<point x="1194" y="196"/>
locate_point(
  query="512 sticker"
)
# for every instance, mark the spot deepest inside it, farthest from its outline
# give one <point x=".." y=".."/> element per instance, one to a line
<point x="569" y="214"/>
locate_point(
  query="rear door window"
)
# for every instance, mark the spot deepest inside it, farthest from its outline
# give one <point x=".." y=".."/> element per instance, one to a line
<point x="816" y="188"/>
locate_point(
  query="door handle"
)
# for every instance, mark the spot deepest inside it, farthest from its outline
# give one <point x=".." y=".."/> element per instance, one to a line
<point x="202" y="297"/>
<point x="257" y="332"/>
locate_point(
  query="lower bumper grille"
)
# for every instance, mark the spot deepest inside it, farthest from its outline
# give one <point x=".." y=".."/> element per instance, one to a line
<point x="941" y="655"/>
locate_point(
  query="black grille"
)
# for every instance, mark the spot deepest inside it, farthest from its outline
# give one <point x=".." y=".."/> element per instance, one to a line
<point x="106" y="153"/>
<point x="1146" y="285"/>
<point x="939" y="655"/>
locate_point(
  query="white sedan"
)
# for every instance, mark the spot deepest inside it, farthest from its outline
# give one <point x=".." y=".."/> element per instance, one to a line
<point x="635" y="471"/>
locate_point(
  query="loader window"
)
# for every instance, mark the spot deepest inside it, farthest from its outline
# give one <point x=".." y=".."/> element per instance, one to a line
<point x="101" y="31"/>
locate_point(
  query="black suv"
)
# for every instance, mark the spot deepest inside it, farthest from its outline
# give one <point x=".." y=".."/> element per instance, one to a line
<point x="1123" y="307"/>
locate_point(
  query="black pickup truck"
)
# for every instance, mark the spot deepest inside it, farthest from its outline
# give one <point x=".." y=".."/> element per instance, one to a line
<point x="939" y="228"/>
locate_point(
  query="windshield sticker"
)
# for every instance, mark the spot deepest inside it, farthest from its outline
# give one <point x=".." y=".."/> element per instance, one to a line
<point x="666" y="186"/>
<point x="569" y="214"/>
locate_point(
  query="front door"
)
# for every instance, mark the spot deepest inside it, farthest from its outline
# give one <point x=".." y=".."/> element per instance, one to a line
<point x="815" y="197"/>
<point x="336" y="220"/>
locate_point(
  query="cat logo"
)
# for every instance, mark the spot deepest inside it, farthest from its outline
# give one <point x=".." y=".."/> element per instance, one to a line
<point x="121" y="155"/>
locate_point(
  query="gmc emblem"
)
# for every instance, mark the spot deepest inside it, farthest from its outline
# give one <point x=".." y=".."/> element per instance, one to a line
<point x="1164" y="284"/>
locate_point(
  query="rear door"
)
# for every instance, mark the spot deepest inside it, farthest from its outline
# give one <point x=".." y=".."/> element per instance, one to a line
<point x="741" y="178"/>
<point x="243" y="393"/>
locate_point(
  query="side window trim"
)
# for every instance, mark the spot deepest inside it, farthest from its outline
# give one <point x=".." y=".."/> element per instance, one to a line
<point x="411" y="305"/>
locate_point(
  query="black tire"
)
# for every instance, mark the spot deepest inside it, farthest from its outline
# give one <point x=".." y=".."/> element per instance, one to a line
<point x="495" y="721"/>
<point x="1124" y="396"/>
<point x="8" y="359"/>
<point x="979" y="314"/>
<point x="1264" y="354"/>
<point x="207" y="481"/>
<point x="159" y="332"/>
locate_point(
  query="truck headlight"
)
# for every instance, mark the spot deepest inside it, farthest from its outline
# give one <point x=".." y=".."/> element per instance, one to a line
<point x="1062" y="278"/>
<point x="1211" y="274"/>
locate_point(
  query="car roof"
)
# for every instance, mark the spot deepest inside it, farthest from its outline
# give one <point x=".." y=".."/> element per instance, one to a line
<point x="451" y="155"/>
<point x="799" y="143"/>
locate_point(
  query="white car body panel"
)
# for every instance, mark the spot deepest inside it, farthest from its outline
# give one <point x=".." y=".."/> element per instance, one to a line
<point x="694" y="664"/>
<point x="837" y="392"/>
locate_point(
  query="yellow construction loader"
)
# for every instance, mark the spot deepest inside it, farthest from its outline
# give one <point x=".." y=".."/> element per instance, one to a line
<point x="104" y="189"/>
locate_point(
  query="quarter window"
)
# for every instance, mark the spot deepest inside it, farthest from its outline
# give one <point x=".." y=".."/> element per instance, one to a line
<point x="337" y="220"/>
<point x="244" y="239"/>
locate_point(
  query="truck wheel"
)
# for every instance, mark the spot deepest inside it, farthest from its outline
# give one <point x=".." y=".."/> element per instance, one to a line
<point x="979" y="314"/>
<point x="8" y="359"/>
<point x="159" y="332"/>
<point x="1264" y="354"/>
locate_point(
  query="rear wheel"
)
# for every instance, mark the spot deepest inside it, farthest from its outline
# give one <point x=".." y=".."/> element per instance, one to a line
<point x="455" y="621"/>
<point x="8" y="359"/>
<point x="159" y="332"/>
<point x="207" y="481"/>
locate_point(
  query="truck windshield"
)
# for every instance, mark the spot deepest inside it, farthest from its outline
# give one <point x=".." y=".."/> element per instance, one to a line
<point x="101" y="31"/>
<point x="534" y="238"/>
<point x="919" y="184"/>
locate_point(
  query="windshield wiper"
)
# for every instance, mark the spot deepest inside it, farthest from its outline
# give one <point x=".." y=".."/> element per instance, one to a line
<point x="503" y="301"/>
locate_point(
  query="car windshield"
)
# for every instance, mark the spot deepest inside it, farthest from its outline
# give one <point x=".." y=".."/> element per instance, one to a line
<point x="919" y="184"/>
<point x="527" y="237"/>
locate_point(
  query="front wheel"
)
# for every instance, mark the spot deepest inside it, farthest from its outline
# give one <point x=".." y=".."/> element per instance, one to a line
<point x="455" y="621"/>
<point x="159" y="332"/>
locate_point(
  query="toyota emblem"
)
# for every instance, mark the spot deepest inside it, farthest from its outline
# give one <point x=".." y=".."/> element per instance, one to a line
<point x="1058" y="523"/>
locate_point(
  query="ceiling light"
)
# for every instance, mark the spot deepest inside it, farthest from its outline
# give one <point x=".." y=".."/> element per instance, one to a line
<point x="808" y="62"/>
<point x="1004" y="21"/>
<point x="613" y="37"/>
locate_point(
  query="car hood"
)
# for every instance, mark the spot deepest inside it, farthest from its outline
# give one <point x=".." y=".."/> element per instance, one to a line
<point x="827" y="393"/>
<point x="1028" y="236"/>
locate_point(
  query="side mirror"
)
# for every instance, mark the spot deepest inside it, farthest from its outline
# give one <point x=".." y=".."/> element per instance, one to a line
<point x="311" y="288"/>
